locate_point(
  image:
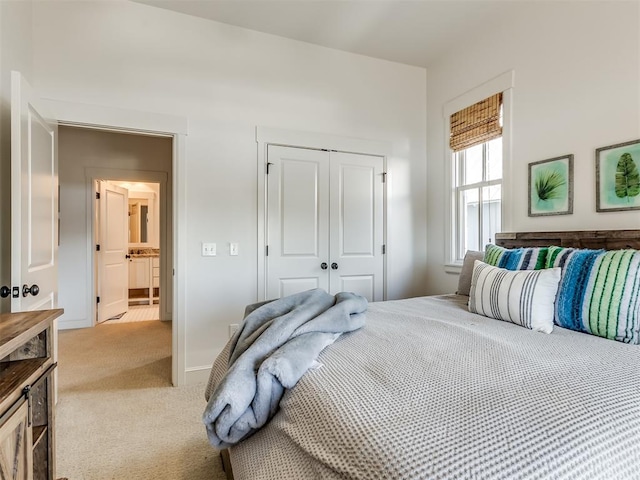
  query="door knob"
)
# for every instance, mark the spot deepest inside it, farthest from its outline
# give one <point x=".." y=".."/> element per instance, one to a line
<point x="34" y="290"/>
<point x="334" y="266"/>
<point x="323" y="265"/>
<point x="127" y="256"/>
<point x="5" y="291"/>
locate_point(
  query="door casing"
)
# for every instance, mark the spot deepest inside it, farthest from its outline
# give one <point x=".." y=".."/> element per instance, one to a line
<point x="116" y="174"/>
<point x="148" y="123"/>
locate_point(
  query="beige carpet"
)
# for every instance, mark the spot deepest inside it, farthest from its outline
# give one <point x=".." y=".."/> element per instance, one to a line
<point x="118" y="417"/>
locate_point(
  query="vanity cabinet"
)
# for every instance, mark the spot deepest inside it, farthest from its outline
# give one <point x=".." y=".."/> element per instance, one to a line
<point x="139" y="272"/>
<point x="144" y="273"/>
<point x="27" y="366"/>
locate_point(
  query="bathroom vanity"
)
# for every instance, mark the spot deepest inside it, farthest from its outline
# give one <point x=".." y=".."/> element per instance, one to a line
<point x="144" y="276"/>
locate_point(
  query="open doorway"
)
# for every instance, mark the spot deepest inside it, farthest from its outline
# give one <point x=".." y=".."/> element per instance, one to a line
<point x="76" y="244"/>
<point x="88" y="158"/>
<point x="127" y="229"/>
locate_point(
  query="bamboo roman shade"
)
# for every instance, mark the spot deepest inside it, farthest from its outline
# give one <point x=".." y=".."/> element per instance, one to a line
<point x="476" y="124"/>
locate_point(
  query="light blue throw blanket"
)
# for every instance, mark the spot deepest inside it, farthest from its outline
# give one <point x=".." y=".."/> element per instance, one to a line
<point x="277" y="343"/>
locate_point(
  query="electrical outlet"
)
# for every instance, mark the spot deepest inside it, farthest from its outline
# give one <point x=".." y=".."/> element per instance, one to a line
<point x="233" y="328"/>
<point x="208" y="249"/>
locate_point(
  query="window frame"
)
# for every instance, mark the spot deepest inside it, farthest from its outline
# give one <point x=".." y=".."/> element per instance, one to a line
<point x="502" y="83"/>
<point x="459" y="188"/>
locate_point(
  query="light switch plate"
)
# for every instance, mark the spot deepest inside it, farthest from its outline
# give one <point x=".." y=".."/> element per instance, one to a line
<point x="208" y="249"/>
<point x="233" y="249"/>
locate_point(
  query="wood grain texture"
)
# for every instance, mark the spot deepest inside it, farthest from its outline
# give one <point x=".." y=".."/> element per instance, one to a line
<point x="36" y="347"/>
<point x="27" y="372"/>
<point x="41" y="455"/>
<point x="18" y="375"/>
<point x="595" y="239"/>
<point x="16" y="329"/>
<point x="38" y="434"/>
<point x="15" y="445"/>
<point x="226" y="463"/>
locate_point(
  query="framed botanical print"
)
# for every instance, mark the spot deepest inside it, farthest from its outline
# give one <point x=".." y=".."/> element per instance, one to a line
<point x="618" y="177"/>
<point x="551" y="186"/>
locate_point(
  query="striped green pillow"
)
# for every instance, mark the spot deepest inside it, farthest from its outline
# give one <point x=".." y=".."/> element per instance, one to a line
<point x="529" y="258"/>
<point x="599" y="292"/>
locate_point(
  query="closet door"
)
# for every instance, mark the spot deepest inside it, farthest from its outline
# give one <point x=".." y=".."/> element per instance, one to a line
<point x="356" y="225"/>
<point x="297" y="220"/>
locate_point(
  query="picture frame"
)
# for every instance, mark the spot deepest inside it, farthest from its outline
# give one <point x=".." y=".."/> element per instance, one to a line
<point x="551" y="186"/>
<point x="618" y="177"/>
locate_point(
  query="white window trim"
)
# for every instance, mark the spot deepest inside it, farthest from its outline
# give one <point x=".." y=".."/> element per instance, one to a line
<point x="502" y="83"/>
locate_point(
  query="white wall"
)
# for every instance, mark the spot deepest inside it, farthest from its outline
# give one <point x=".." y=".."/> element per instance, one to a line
<point x="577" y="88"/>
<point x="15" y="54"/>
<point x="227" y="81"/>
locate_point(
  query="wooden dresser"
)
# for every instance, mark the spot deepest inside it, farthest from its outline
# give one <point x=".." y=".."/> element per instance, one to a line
<point x="27" y="439"/>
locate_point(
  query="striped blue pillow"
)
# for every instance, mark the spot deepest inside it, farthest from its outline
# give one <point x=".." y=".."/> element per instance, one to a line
<point x="523" y="297"/>
<point x="599" y="292"/>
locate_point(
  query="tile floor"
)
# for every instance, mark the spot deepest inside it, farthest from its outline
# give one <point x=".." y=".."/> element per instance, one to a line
<point x="137" y="313"/>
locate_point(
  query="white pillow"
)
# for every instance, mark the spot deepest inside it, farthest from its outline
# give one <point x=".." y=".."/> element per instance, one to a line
<point x="523" y="297"/>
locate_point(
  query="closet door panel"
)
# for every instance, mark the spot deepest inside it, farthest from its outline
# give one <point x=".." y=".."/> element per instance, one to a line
<point x="364" y="285"/>
<point x="356" y="225"/>
<point x="297" y="220"/>
<point x="357" y="205"/>
<point x="300" y="208"/>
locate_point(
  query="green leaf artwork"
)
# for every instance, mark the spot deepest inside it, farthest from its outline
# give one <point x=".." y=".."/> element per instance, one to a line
<point x="548" y="184"/>
<point x="551" y="186"/>
<point x="627" y="177"/>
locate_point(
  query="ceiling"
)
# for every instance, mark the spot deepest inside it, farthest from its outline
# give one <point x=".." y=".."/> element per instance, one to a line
<point x="414" y="32"/>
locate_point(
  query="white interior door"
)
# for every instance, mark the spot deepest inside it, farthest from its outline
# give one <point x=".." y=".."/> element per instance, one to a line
<point x="34" y="202"/>
<point x="298" y="220"/>
<point x="113" y="238"/>
<point x="357" y="188"/>
<point x="325" y="222"/>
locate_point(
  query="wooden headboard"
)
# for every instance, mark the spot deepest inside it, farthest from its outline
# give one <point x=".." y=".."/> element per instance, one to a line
<point x="606" y="239"/>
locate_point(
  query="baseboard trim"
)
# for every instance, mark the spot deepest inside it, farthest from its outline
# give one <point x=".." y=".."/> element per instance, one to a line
<point x="69" y="324"/>
<point x="195" y="375"/>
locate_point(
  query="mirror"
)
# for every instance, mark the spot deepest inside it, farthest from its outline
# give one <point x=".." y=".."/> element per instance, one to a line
<point x="143" y="210"/>
<point x="138" y="220"/>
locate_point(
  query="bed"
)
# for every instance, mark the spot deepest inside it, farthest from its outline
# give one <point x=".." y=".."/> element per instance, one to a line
<point x="428" y="390"/>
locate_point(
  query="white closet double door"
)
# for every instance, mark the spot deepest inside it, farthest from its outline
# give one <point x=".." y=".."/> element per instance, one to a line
<point x="325" y="222"/>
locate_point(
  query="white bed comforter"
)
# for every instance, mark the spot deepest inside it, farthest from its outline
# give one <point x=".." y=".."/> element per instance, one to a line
<point x="427" y="390"/>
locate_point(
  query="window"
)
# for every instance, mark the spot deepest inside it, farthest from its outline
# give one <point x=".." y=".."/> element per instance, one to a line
<point x="476" y="144"/>
<point x="478" y="194"/>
